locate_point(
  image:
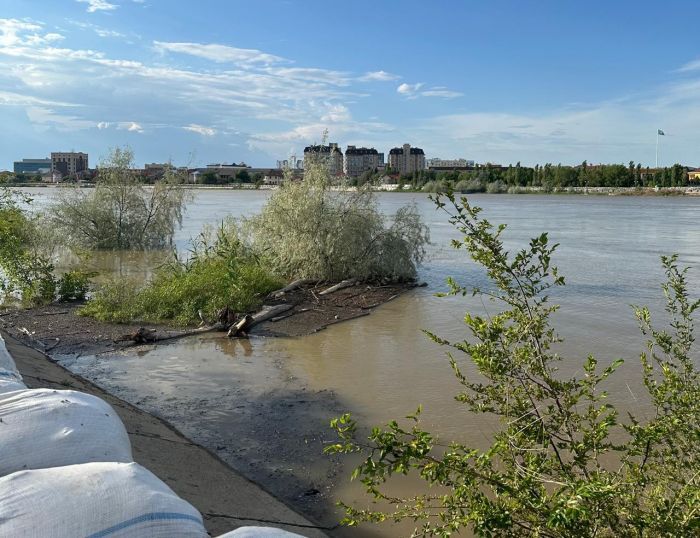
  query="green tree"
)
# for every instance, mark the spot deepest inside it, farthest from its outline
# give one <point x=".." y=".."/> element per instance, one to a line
<point x="562" y="463"/>
<point x="306" y="230"/>
<point x="120" y="212"/>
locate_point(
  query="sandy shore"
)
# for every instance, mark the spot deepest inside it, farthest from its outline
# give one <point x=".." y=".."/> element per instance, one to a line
<point x="225" y="498"/>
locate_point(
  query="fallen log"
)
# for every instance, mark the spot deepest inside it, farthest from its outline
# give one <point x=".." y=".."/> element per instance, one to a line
<point x="149" y="336"/>
<point x="339" y="286"/>
<point x="248" y="322"/>
<point x="290" y="287"/>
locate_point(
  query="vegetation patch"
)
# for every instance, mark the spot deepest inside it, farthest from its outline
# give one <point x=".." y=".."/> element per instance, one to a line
<point x="221" y="272"/>
<point x="310" y="230"/>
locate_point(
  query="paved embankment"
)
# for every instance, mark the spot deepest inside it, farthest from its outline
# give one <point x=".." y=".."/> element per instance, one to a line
<point x="225" y="498"/>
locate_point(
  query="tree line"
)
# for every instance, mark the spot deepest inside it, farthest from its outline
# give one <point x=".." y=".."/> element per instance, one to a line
<point x="548" y="176"/>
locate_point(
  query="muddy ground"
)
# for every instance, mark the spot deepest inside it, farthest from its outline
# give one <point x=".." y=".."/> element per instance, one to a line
<point x="59" y="329"/>
<point x="272" y="433"/>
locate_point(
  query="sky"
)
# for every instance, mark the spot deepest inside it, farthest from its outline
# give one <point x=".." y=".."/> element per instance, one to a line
<point x="256" y="81"/>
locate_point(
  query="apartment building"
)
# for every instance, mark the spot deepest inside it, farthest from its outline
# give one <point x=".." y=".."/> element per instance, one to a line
<point x="69" y="163"/>
<point x="406" y="160"/>
<point x="330" y="155"/>
<point x="360" y="160"/>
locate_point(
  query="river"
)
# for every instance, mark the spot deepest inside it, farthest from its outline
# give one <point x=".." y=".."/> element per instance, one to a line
<point x="381" y="367"/>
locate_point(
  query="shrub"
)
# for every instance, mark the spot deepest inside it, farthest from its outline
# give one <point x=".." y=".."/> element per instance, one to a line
<point x="221" y="272"/>
<point x="469" y="186"/>
<point x="308" y="230"/>
<point x="120" y="212"/>
<point x="25" y="268"/>
<point x="74" y="285"/>
<point x="563" y="463"/>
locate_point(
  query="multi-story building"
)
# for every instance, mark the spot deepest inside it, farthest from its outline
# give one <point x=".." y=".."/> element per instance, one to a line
<point x="450" y="164"/>
<point x="69" y="163"/>
<point x="406" y="160"/>
<point x="329" y="155"/>
<point x="32" y="166"/>
<point x="292" y="164"/>
<point x="361" y="160"/>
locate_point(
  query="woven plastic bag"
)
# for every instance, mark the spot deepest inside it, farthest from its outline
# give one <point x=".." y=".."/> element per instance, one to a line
<point x="94" y="500"/>
<point x="43" y="428"/>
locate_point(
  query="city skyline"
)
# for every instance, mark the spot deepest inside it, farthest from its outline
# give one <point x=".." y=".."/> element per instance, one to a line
<point x="495" y="83"/>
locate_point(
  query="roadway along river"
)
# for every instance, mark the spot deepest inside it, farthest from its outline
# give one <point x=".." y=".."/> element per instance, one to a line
<point x="381" y="366"/>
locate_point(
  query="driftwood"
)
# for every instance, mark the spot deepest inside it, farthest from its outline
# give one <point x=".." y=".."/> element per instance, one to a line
<point x="149" y="336"/>
<point x="339" y="286"/>
<point x="248" y="322"/>
<point x="291" y="287"/>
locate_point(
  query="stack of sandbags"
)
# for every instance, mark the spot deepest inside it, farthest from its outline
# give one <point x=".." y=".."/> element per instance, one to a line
<point x="66" y="471"/>
<point x="41" y="428"/>
<point x="10" y="378"/>
<point x="94" y="500"/>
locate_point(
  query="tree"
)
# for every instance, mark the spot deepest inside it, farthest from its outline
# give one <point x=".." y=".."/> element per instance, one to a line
<point x="120" y="212"/>
<point x="563" y="463"/>
<point x="306" y="230"/>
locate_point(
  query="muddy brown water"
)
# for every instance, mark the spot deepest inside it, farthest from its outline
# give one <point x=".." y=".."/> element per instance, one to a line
<point x="263" y="405"/>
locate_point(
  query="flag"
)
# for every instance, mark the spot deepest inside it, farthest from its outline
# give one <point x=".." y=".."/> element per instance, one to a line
<point x="660" y="132"/>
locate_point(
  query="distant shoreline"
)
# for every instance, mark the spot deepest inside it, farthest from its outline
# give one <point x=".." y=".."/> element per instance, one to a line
<point x="586" y="191"/>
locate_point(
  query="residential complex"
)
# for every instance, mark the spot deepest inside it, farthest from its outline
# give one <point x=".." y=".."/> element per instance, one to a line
<point x="331" y="155"/>
<point x="406" y="160"/>
<point x="32" y="166"/>
<point x="361" y="160"/>
<point x="69" y="163"/>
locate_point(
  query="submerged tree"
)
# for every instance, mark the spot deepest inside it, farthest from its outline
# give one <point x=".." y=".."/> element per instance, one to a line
<point x="120" y="212"/>
<point x="563" y="463"/>
<point x="307" y="229"/>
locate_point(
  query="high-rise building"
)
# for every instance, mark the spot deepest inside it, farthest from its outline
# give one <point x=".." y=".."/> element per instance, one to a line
<point x="361" y="160"/>
<point x="69" y="163"/>
<point x="329" y="155"/>
<point x="450" y="164"/>
<point x="406" y="160"/>
<point x="32" y="166"/>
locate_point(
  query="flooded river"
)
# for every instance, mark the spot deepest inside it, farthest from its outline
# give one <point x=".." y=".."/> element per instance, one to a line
<point x="381" y="367"/>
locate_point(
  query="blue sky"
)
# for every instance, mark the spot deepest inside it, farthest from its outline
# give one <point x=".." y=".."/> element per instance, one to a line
<point x="255" y="81"/>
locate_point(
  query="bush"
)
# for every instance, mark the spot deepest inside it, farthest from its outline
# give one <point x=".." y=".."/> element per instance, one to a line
<point x="470" y="186"/>
<point x="222" y="272"/>
<point x="308" y="230"/>
<point x="120" y="212"/>
<point x="562" y="463"/>
<point x="25" y="268"/>
<point x="74" y="285"/>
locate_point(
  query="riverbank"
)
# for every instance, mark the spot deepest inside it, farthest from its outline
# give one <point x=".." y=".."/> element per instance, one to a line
<point x="226" y="499"/>
<point x="392" y="187"/>
<point x="263" y="421"/>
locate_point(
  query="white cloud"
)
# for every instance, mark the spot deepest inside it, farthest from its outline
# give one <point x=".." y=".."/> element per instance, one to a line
<point x="378" y="76"/>
<point x="440" y="91"/>
<point x="413" y="91"/>
<point x="131" y="126"/>
<point x="409" y="90"/>
<point x="200" y="129"/>
<point x="690" y="66"/>
<point x="218" y="53"/>
<point x="98" y="5"/>
<point x="10" y="30"/>
<point x="103" y="125"/>
<point x="99" y="30"/>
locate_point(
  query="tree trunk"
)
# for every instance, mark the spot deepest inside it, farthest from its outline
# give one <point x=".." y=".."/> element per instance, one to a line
<point x="339" y="286"/>
<point x="291" y="287"/>
<point x="248" y="322"/>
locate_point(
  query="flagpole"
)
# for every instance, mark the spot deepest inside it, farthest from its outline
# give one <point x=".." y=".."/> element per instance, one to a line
<point x="657" y="148"/>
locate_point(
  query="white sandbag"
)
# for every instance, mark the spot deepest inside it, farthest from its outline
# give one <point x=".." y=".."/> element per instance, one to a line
<point x="10" y="385"/>
<point x="43" y="428"/>
<point x="259" y="532"/>
<point x="94" y="500"/>
<point x="8" y="369"/>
